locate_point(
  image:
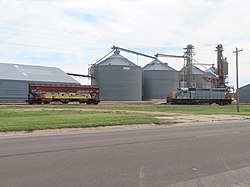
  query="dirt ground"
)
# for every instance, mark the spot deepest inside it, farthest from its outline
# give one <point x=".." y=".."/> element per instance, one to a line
<point x="204" y="118"/>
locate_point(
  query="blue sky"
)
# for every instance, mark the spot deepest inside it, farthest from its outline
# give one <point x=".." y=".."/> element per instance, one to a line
<point x="91" y="18"/>
<point x="71" y="34"/>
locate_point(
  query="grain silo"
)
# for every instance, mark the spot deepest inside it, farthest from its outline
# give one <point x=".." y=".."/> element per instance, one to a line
<point x="195" y="77"/>
<point x="15" y="80"/>
<point x="210" y="79"/>
<point x="118" y="79"/>
<point x="159" y="80"/>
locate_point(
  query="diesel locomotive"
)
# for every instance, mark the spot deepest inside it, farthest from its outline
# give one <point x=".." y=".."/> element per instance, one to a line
<point x="199" y="96"/>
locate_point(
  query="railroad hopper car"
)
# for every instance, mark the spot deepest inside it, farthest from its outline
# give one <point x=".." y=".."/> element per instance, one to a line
<point x="46" y="93"/>
<point x="199" y="96"/>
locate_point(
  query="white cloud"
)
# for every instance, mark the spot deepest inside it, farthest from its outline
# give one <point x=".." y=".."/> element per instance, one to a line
<point x="71" y="34"/>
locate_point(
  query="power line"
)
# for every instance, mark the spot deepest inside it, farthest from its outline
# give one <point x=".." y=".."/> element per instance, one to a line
<point x="23" y="25"/>
<point x="78" y="40"/>
<point x="36" y="46"/>
<point x="37" y="33"/>
<point x="56" y="39"/>
<point x="38" y="27"/>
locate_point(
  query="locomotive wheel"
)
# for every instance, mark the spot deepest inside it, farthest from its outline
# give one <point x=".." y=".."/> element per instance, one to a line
<point x="39" y="101"/>
<point x="88" y="102"/>
<point x="95" y="102"/>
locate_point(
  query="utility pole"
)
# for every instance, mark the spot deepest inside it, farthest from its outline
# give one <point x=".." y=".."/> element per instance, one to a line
<point x="237" y="78"/>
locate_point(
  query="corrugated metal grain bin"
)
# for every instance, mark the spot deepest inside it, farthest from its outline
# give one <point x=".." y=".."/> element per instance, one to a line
<point x="15" y="79"/>
<point x="196" y="76"/>
<point x="118" y="79"/>
<point x="210" y="77"/>
<point x="159" y="80"/>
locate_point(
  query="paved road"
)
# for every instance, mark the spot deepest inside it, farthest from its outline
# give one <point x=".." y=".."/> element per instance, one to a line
<point x="182" y="156"/>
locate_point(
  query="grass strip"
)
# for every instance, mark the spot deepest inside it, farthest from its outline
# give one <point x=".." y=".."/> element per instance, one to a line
<point x="38" y="120"/>
<point x="188" y="109"/>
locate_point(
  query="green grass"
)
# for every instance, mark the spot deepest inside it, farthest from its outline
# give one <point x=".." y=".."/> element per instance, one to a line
<point x="189" y="109"/>
<point x="17" y="118"/>
<point x="37" y="120"/>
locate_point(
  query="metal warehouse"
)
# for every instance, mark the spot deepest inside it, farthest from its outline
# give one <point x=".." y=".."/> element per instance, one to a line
<point x="15" y="79"/>
<point x="244" y="94"/>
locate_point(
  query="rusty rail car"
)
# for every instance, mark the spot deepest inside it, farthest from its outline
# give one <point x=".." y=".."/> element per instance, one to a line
<point x="46" y="93"/>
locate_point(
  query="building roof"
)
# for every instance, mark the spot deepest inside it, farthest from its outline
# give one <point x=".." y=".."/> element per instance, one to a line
<point x="194" y="70"/>
<point x="247" y="85"/>
<point x="116" y="60"/>
<point x="211" y="71"/>
<point x="34" y="73"/>
<point x="157" y="65"/>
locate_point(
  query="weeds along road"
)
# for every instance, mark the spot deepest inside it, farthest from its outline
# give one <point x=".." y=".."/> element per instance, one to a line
<point x="188" y="155"/>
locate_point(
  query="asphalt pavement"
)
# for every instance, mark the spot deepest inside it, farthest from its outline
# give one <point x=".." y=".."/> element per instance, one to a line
<point x="202" y="155"/>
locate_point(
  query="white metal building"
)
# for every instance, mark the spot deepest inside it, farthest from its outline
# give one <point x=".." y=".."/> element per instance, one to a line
<point x="15" y="79"/>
